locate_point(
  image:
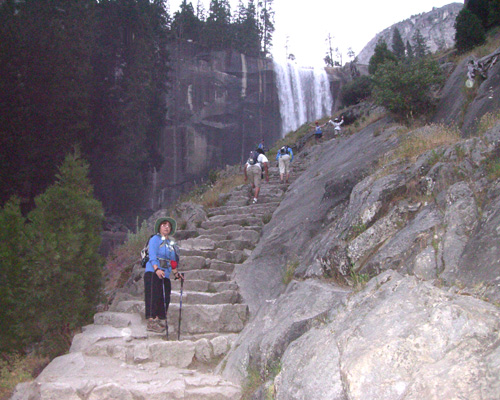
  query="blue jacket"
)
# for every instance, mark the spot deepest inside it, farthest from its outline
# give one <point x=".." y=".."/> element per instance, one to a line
<point x="161" y="250"/>
<point x="289" y="151"/>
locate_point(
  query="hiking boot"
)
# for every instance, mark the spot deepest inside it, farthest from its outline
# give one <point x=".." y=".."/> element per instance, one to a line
<point x="161" y="322"/>
<point x="153" y="326"/>
<point x="254" y="200"/>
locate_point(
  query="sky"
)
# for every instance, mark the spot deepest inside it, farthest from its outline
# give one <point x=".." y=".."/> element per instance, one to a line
<point x="303" y="26"/>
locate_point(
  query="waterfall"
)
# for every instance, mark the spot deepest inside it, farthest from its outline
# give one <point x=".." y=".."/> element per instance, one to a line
<point x="304" y="95"/>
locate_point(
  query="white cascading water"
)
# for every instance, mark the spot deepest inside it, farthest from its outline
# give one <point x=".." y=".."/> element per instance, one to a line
<point x="304" y="95"/>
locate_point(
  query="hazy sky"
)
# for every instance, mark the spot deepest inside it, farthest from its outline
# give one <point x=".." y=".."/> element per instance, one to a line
<point x="351" y="23"/>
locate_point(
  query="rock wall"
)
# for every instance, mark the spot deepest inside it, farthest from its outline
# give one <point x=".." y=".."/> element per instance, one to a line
<point x="437" y="26"/>
<point x="221" y="105"/>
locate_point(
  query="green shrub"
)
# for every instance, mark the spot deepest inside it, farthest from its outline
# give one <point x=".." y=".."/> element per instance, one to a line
<point x="357" y="90"/>
<point x="405" y="89"/>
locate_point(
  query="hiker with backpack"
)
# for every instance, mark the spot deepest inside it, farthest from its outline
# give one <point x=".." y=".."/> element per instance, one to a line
<point x="162" y="264"/>
<point x="284" y="158"/>
<point x="255" y="167"/>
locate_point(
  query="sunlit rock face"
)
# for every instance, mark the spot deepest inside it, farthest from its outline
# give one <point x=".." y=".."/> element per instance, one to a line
<point x="436" y="26"/>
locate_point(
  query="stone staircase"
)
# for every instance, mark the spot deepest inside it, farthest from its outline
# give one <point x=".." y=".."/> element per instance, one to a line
<point x="116" y="358"/>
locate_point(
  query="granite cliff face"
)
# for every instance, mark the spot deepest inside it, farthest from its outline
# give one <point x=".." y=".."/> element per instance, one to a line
<point x="437" y="26"/>
<point x="221" y="105"/>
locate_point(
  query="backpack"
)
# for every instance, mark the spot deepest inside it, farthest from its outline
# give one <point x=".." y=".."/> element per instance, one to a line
<point x="252" y="160"/>
<point x="284" y="150"/>
<point x="145" y="253"/>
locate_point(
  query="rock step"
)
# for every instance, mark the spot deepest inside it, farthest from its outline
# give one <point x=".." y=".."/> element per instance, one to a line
<point x="196" y="319"/>
<point x="190" y="263"/>
<point x="171" y="352"/>
<point x="230" y="228"/>
<point x="204" y="286"/>
<point x="257" y="209"/>
<point x="224" y="220"/>
<point x="200" y="318"/>
<point x="229" y="256"/>
<point x="95" y="378"/>
<point x="209" y="244"/>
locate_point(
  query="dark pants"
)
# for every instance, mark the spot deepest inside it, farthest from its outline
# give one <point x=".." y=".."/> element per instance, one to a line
<point x="156" y="306"/>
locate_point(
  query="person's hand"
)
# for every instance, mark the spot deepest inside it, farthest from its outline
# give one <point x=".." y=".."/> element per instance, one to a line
<point x="176" y="274"/>
<point x="160" y="273"/>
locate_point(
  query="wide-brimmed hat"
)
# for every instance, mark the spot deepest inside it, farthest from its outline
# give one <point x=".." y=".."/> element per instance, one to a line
<point x="161" y="220"/>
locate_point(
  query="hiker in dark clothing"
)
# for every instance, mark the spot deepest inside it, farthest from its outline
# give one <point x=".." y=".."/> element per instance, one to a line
<point x="163" y="261"/>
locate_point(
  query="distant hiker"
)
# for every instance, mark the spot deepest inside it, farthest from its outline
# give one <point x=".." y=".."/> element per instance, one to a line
<point x="336" y="125"/>
<point x="318" y="133"/>
<point x="163" y="261"/>
<point x="255" y="166"/>
<point x="261" y="145"/>
<point x="284" y="158"/>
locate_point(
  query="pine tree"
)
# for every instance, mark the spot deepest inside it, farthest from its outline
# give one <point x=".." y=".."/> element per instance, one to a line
<point x="409" y="51"/>
<point x="186" y="24"/>
<point x="380" y="56"/>
<point x="65" y="275"/>
<point x="469" y="31"/>
<point x="494" y="14"/>
<point x="481" y="9"/>
<point x="266" y="16"/>
<point x="398" y="46"/>
<point x="420" y="48"/>
<point x="246" y="36"/>
<point x="217" y="32"/>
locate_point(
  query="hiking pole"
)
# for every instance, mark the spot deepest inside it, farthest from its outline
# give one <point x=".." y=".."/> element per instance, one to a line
<point x="180" y="308"/>
<point x="164" y="305"/>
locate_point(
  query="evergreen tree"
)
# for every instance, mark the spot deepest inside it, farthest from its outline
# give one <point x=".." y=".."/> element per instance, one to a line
<point x="186" y="24"/>
<point x="246" y="36"/>
<point x="481" y="9"/>
<point x="65" y="276"/>
<point x="266" y="16"/>
<point x="380" y="56"/>
<point x="409" y="51"/>
<point x="469" y="31"/>
<point x="45" y="89"/>
<point x="398" y="46"/>
<point x="494" y="14"/>
<point x="217" y="33"/>
<point x="420" y="48"/>
<point x="14" y="278"/>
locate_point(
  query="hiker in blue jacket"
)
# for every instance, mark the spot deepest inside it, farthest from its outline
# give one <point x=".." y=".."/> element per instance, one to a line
<point x="163" y="261"/>
<point x="284" y="158"/>
<point x="318" y="133"/>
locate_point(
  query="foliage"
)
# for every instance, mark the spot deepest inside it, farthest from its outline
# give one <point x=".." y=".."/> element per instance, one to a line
<point x="425" y="139"/>
<point x="405" y="89"/>
<point x="289" y="272"/>
<point x="469" y="31"/>
<point x="356" y="90"/>
<point x="266" y="24"/>
<point x="481" y="9"/>
<point x="82" y="72"/>
<point x="14" y="285"/>
<point x="380" y="56"/>
<point x="488" y="121"/>
<point x="185" y="24"/>
<point x="64" y="269"/>
<point x="420" y="48"/>
<point x="15" y="368"/>
<point x="398" y="46"/>
<point x="246" y="30"/>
